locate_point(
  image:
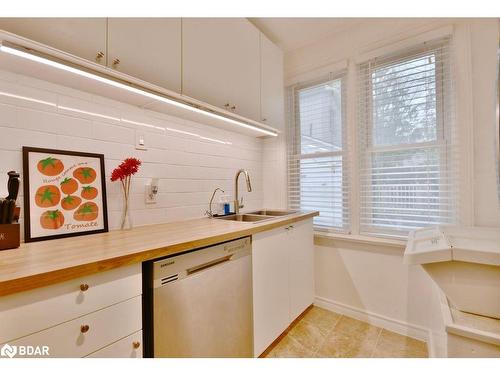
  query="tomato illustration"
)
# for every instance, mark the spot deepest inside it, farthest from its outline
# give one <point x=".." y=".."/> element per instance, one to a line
<point x="47" y="196"/>
<point x="70" y="202"/>
<point x="50" y="166"/>
<point x="86" y="212"/>
<point x="52" y="219"/>
<point x="69" y="185"/>
<point x="85" y="175"/>
<point x="89" y="192"/>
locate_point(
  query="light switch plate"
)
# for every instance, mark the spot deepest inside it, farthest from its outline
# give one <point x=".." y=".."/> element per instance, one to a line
<point x="140" y="140"/>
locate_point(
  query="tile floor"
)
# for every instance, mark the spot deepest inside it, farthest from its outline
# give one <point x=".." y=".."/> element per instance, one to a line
<point x="322" y="333"/>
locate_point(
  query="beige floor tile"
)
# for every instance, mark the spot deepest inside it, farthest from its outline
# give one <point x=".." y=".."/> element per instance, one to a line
<point x="323" y="319"/>
<point x="309" y="335"/>
<point x="289" y="348"/>
<point x="393" y="345"/>
<point x="339" y="344"/>
<point x="356" y="327"/>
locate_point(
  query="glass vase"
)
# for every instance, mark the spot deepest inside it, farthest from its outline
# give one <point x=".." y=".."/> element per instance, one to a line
<point x="126" y="222"/>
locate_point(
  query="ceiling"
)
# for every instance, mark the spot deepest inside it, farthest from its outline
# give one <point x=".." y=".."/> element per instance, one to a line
<point x="293" y="33"/>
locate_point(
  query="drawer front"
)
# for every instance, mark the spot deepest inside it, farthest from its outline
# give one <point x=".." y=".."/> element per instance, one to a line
<point x="128" y="347"/>
<point x="102" y="328"/>
<point x="32" y="311"/>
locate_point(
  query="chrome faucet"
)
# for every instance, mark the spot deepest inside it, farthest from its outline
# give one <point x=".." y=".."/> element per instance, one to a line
<point x="237" y="204"/>
<point x="209" y="212"/>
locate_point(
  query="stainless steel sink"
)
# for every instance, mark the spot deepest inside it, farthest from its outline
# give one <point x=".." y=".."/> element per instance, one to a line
<point x="246" y="217"/>
<point x="257" y="216"/>
<point x="272" y="212"/>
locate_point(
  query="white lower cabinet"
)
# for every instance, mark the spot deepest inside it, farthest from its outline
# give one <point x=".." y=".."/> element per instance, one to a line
<point x="128" y="347"/>
<point x="84" y="335"/>
<point x="77" y="317"/>
<point x="283" y="279"/>
<point x="301" y="267"/>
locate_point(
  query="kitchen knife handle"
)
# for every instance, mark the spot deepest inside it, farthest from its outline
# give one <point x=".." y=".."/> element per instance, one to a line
<point x="10" y="212"/>
<point x="4" y="211"/>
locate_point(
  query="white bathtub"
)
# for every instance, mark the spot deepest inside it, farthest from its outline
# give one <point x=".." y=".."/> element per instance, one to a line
<point x="464" y="262"/>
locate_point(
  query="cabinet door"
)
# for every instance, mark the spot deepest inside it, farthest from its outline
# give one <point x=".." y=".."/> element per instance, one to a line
<point x="128" y="347"/>
<point x="301" y="263"/>
<point x="83" y="37"/>
<point x="147" y="48"/>
<point x="272" y="99"/>
<point x="221" y="63"/>
<point x="270" y="286"/>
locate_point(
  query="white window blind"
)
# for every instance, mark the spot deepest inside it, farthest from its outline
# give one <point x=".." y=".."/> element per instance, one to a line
<point x="317" y="175"/>
<point x="408" y="155"/>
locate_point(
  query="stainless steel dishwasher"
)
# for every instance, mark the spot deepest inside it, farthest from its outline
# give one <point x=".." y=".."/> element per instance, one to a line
<point x="202" y="302"/>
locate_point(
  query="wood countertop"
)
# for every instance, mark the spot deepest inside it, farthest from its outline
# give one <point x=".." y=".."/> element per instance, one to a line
<point x="38" y="264"/>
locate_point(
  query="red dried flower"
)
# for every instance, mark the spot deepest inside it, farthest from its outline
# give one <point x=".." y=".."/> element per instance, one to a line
<point x="127" y="168"/>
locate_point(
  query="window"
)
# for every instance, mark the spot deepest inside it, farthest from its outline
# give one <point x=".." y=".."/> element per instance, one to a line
<point x="406" y="134"/>
<point x="317" y="152"/>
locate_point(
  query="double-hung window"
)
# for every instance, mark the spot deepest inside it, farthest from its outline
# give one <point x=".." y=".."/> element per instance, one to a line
<point x="317" y="175"/>
<point x="406" y="138"/>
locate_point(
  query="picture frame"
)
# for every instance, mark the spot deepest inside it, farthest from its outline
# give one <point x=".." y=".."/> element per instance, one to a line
<point x="64" y="194"/>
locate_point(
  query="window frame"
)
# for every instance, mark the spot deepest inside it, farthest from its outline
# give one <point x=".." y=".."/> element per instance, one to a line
<point x="442" y="140"/>
<point x="295" y="147"/>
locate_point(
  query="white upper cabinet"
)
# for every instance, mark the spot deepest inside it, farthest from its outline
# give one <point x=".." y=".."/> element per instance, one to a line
<point x="272" y="99"/>
<point x="147" y="48"/>
<point x="83" y="37"/>
<point x="221" y="64"/>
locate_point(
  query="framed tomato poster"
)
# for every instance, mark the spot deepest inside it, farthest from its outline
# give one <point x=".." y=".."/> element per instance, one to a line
<point x="64" y="194"/>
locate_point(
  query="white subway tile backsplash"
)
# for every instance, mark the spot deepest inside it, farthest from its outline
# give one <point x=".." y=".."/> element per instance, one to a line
<point x="189" y="167"/>
<point x="112" y="133"/>
<point x="8" y="115"/>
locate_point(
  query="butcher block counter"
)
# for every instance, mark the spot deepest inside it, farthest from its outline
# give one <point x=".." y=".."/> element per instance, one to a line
<point x="38" y="264"/>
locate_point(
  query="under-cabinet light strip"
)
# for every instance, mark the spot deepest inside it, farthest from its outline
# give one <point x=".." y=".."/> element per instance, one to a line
<point x="21" y="52"/>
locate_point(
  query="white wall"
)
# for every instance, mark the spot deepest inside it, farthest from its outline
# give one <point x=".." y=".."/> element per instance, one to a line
<point x="189" y="167"/>
<point x="371" y="280"/>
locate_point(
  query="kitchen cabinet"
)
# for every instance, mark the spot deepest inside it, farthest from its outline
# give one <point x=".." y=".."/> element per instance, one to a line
<point x="83" y="37"/>
<point x="147" y="48"/>
<point x="283" y="284"/>
<point x="301" y="267"/>
<point x="270" y="286"/>
<point x="128" y="347"/>
<point x="77" y="317"/>
<point x="221" y="63"/>
<point x="272" y="102"/>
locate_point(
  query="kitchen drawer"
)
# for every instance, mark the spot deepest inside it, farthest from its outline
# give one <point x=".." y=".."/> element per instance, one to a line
<point x="105" y="326"/>
<point x="128" y="347"/>
<point x="32" y="311"/>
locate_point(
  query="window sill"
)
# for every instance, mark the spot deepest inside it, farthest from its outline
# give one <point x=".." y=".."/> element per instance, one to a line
<point x="323" y="238"/>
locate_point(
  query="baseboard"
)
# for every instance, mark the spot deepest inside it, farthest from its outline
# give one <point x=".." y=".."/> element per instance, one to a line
<point x="394" y="325"/>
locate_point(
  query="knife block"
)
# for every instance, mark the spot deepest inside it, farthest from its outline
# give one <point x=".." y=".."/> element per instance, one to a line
<point x="10" y="236"/>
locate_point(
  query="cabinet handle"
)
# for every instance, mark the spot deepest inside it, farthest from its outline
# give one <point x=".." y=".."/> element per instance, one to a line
<point x="99" y="56"/>
<point x="84" y="287"/>
<point x="227" y="105"/>
<point x="233" y="108"/>
<point x="264" y="119"/>
<point x="116" y="62"/>
<point x="84" y="328"/>
<point x="136" y="344"/>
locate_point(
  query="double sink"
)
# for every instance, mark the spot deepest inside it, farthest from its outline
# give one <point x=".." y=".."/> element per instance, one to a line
<point x="257" y="216"/>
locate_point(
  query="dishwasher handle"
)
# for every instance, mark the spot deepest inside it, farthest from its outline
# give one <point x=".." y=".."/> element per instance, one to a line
<point x="212" y="263"/>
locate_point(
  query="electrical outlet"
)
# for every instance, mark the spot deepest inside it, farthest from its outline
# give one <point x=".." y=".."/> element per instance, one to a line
<point x="151" y="191"/>
<point x="140" y="140"/>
